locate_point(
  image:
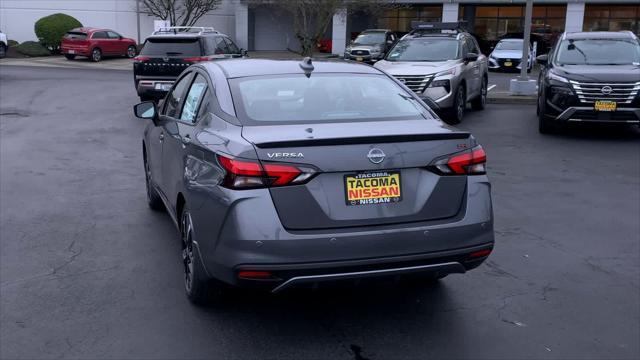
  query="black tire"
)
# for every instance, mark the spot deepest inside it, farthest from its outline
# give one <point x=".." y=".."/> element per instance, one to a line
<point x="131" y="52"/>
<point x="480" y="102"/>
<point x="153" y="199"/>
<point x="69" y="56"/>
<point x="456" y="113"/>
<point x="3" y="50"/>
<point x="199" y="289"/>
<point x="545" y="126"/>
<point x="96" y="55"/>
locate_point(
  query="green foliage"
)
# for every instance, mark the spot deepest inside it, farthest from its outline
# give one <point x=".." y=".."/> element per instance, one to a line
<point x="50" y="29"/>
<point x="32" y="48"/>
<point x="12" y="43"/>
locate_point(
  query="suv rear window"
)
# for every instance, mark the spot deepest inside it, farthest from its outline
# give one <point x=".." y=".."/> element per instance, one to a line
<point x="74" y="35"/>
<point x="171" y="46"/>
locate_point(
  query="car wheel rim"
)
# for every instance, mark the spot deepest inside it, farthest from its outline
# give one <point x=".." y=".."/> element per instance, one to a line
<point x="484" y="92"/>
<point x="187" y="251"/>
<point x="96" y="55"/>
<point x="147" y="175"/>
<point x="131" y="52"/>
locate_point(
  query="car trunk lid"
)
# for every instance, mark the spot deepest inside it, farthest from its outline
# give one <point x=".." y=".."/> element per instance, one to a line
<point x="390" y="156"/>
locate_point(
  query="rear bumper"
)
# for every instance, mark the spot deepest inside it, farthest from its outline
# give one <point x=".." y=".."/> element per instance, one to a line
<point x="74" y="50"/>
<point x="247" y="234"/>
<point x="152" y="87"/>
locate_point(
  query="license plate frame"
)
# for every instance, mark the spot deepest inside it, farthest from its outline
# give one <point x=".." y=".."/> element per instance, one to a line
<point x="359" y="58"/>
<point x="163" y="86"/>
<point x="605" y="105"/>
<point x="508" y="63"/>
<point x="388" y="187"/>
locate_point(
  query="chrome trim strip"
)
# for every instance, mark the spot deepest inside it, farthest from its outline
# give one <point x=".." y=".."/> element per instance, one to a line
<point x="449" y="267"/>
<point x="606" y="121"/>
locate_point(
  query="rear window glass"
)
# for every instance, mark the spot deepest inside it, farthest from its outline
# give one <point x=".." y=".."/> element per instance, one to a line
<point x="73" y="35"/>
<point x="171" y="46"/>
<point x="295" y="98"/>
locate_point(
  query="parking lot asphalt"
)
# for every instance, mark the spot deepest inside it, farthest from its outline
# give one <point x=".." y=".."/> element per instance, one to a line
<point x="88" y="271"/>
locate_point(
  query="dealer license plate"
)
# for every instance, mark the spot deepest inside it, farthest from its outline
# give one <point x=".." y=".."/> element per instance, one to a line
<point x="163" y="86"/>
<point x="359" y="58"/>
<point x="380" y="187"/>
<point x="508" y="63"/>
<point x="605" y="105"/>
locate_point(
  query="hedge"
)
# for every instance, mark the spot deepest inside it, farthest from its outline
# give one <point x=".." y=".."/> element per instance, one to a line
<point x="32" y="48"/>
<point x="50" y="29"/>
<point x="12" y="43"/>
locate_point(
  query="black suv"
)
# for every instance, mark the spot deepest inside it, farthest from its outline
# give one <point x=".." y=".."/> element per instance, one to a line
<point x="590" y="77"/>
<point x="170" y="50"/>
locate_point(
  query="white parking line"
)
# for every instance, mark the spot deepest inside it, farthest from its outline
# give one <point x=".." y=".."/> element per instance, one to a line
<point x="490" y="87"/>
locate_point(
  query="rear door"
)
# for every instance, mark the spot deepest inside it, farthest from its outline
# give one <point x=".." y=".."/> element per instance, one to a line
<point x="101" y="40"/>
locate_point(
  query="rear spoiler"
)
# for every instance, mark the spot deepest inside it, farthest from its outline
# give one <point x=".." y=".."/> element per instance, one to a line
<point x="362" y="140"/>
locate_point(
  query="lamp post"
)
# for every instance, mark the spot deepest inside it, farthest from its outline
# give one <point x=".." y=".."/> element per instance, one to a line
<point x="522" y="85"/>
<point x="138" y="18"/>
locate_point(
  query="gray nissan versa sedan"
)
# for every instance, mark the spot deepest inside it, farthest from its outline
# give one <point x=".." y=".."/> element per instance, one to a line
<point x="279" y="173"/>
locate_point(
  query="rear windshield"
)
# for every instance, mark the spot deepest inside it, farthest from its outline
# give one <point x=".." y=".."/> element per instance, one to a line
<point x="171" y="46"/>
<point x="294" y="98"/>
<point x="74" y="35"/>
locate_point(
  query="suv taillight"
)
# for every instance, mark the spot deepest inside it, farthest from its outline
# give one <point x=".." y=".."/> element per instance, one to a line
<point x="197" y="59"/>
<point x="141" y="58"/>
<point x="468" y="162"/>
<point x="250" y="174"/>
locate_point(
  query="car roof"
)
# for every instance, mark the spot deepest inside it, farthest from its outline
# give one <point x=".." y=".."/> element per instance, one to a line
<point x="87" y="29"/>
<point x="511" y="39"/>
<point x="599" y="35"/>
<point x="234" y="68"/>
<point x="183" y="35"/>
<point x="375" y="30"/>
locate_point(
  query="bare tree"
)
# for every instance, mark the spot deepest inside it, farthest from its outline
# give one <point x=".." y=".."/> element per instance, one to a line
<point x="311" y="18"/>
<point x="179" y="12"/>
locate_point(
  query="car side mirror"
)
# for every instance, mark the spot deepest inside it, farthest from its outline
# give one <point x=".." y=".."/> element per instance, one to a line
<point x="146" y="110"/>
<point x="542" y="59"/>
<point x="471" y="57"/>
<point x="244" y="53"/>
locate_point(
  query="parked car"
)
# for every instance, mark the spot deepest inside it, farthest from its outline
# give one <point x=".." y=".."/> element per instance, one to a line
<point x="170" y="50"/>
<point x="96" y="43"/>
<point x="279" y="173"/>
<point x="371" y="45"/>
<point x="590" y="77"/>
<point x="444" y="68"/>
<point x="325" y="45"/>
<point x="4" y="45"/>
<point x="507" y="55"/>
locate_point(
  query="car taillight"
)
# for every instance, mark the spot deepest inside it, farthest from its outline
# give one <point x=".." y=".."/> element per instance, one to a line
<point x="141" y="58"/>
<point x="197" y="59"/>
<point x="250" y="174"/>
<point x="469" y="162"/>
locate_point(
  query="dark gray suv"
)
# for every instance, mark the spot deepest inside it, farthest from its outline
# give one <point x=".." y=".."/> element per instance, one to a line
<point x="282" y="173"/>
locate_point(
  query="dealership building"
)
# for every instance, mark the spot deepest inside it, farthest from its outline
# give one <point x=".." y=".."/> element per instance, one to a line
<point x="264" y="28"/>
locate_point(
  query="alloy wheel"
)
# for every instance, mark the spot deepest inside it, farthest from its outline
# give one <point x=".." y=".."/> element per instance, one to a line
<point x="131" y="52"/>
<point x="187" y="250"/>
<point x="96" y="55"/>
<point x="461" y="103"/>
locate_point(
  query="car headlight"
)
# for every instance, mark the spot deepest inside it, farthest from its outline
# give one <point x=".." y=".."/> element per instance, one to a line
<point x="441" y="83"/>
<point x="451" y="71"/>
<point x="376" y="50"/>
<point x="557" y="77"/>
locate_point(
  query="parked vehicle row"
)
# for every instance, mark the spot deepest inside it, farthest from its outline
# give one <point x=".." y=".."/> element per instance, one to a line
<point x="507" y="55"/>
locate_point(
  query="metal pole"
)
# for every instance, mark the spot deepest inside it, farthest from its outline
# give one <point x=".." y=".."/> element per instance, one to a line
<point x="138" y="18"/>
<point x="527" y="37"/>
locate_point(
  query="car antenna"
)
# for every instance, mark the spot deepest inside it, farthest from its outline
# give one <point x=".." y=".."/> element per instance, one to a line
<point x="306" y="66"/>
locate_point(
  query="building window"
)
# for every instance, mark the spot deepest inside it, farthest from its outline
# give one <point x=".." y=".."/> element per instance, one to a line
<point x="612" y="18"/>
<point x="399" y="20"/>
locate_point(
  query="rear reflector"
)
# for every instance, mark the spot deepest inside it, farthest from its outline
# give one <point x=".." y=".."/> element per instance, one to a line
<point x="480" y="253"/>
<point x="251" y="174"/>
<point x="251" y="274"/>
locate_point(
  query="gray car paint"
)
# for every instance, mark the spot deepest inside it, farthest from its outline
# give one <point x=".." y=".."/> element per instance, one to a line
<point x="236" y="228"/>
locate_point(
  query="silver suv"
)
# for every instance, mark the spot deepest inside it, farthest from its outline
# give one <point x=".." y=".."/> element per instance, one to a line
<point x="441" y="64"/>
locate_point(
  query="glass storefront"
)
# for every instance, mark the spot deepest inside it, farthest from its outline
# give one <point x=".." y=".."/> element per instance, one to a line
<point x="399" y="20"/>
<point x="491" y="23"/>
<point x="612" y="18"/>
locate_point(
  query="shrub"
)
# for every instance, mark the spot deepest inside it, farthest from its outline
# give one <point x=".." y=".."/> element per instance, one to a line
<point x="12" y="43"/>
<point x="50" y="29"/>
<point x="32" y="48"/>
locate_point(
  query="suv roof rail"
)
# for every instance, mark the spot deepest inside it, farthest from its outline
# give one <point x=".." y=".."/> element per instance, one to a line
<point x="185" y="29"/>
<point x="421" y="27"/>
